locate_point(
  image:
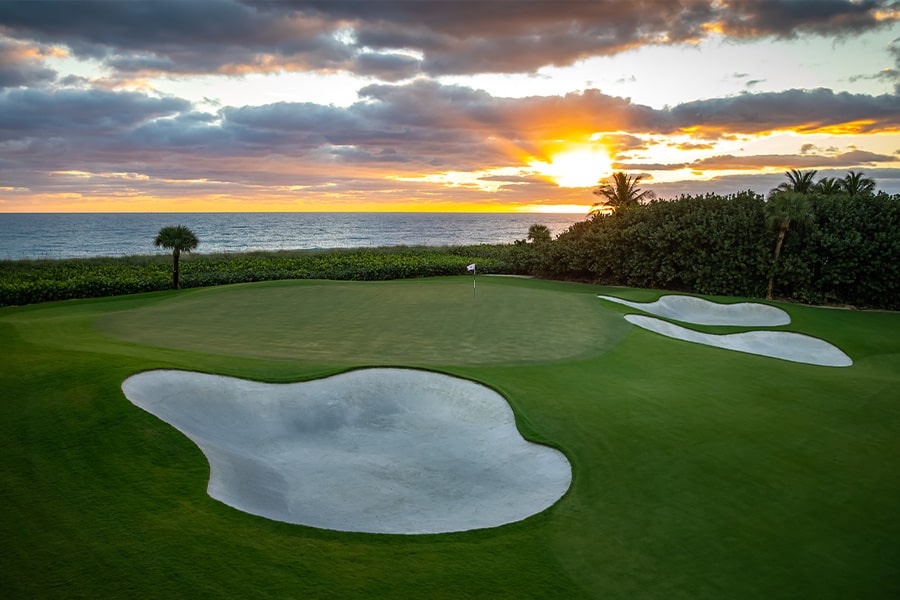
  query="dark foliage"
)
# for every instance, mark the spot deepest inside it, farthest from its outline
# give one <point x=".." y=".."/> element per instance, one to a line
<point x="848" y="254"/>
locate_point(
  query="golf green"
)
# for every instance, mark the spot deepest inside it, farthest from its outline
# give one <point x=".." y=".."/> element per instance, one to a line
<point x="697" y="472"/>
<point x="433" y="322"/>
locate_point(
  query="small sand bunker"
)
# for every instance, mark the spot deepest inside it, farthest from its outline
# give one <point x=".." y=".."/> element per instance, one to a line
<point x="785" y="345"/>
<point x="375" y="450"/>
<point x="703" y="312"/>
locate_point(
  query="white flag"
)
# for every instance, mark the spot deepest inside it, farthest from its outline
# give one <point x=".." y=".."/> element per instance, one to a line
<point x="471" y="267"/>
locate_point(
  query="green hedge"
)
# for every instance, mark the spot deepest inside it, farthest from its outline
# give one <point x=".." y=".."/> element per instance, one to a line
<point x="711" y="244"/>
<point x="30" y="281"/>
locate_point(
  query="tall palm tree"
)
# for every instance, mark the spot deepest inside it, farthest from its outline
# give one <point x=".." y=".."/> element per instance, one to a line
<point x="857" y="184"/>
<point x="620" y="193"/>
<point x="829" y="186"/>
<point x="783" y="209"/>
<point x="539" y="234"/>
<point x="177" y="238"/>
<point x="798" y="181"/>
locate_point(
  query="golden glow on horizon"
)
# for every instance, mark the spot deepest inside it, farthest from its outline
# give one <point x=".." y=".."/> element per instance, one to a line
<point x="577" y="167"/>
<point x="74" y="203"/>
<point x="582" y="209"/>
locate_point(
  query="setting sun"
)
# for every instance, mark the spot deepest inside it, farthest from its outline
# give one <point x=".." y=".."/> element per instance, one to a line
<point x="575" y="168"/>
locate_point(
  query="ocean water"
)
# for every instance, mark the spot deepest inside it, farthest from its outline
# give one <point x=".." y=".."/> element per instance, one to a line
<point x="72" y="235"/>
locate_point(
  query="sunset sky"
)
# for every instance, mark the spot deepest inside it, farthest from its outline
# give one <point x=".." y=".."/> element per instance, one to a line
<point x="434" y="105"/>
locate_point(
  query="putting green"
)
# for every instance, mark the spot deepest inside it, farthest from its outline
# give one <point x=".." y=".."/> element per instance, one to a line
<point x="426" y="322"/>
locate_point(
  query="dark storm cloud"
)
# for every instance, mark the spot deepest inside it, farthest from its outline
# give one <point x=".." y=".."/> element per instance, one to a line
<point x="458" y="35"/>
<point x="787" y="18"/>
<point x="521" y="36"/>
<point x="383" y="134"/>
<point x="291" y="119"/>
<point x="195" y="36"/>
<point x="452" y="37"/>
<point x="854" y="158"/>
<point x="353" y="154"/>
<point x="800" y="110"/>
<point x="29" y="112"/>
<point x="21" y="65"/>
<point x="387" y="67"/>
<point x="849" y="160"/>
<point x="187" y="131"/>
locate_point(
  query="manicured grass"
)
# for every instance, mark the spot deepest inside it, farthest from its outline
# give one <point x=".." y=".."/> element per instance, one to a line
<point x="698" y="472"/>
<point x="430" y="322"/>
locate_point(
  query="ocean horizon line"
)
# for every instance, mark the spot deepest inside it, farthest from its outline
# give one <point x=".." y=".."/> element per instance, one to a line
<point x="77" y="235"/>
<point x="292" y="212"/>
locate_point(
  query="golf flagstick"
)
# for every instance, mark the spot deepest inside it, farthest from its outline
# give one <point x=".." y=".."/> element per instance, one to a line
<point x="472" y="268"/>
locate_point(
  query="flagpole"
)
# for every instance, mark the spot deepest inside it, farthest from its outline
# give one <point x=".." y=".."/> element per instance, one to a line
<point x="472" y="268"/>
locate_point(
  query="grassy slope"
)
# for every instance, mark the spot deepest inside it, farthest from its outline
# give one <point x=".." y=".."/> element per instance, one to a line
<point x="698" y="472"/>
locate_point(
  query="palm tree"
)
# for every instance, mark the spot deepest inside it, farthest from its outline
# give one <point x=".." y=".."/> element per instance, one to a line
<point x="621" y="193"/>
<point x="539" y="234"/>
<point x="829" y="186"/>
<point x="783" y="209"/>
<point x="179" y="239"/>
<point x="798" y="181"/>
<point x="856" y="184"/>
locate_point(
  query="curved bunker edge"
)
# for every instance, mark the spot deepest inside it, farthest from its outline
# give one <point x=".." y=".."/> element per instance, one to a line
<point x="379" y="450"/>
<point x="785" y="345"/>
<point x="700" y="311"/>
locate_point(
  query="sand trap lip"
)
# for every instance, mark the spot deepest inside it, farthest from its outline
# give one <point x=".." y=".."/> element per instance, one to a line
<point x="785" y="345"/>
<point x="700" y="311"/>
<point x="374" y="450"/>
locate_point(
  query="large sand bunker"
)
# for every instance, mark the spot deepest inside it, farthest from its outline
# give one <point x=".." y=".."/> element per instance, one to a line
<point x="785" y="345"/>
<point x="374" y="450"/>
<point x="704" y="312"/>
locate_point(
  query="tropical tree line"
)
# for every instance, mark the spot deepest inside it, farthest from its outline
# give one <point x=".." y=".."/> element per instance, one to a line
<point x="827" y="241"/>
<point x="854" y="184"/>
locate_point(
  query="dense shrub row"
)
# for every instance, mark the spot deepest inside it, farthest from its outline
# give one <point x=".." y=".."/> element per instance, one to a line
<point x="849" y="253"/>
<point x="30" y="281"/>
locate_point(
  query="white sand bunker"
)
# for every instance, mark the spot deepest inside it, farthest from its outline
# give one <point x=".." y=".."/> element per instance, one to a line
<point x="703" y="312"/>
<point x="785" y="345"/>
<point x="374" y="450"/>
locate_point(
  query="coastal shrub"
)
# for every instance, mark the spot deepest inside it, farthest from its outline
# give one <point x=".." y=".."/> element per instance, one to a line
<point x="712" y="244"/>
<point x="31" y="281"/>
<point x="854" y="250"/>
<point x="706" y="244"/>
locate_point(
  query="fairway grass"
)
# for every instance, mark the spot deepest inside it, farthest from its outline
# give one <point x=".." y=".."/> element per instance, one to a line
<point x="697" y="472"/>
